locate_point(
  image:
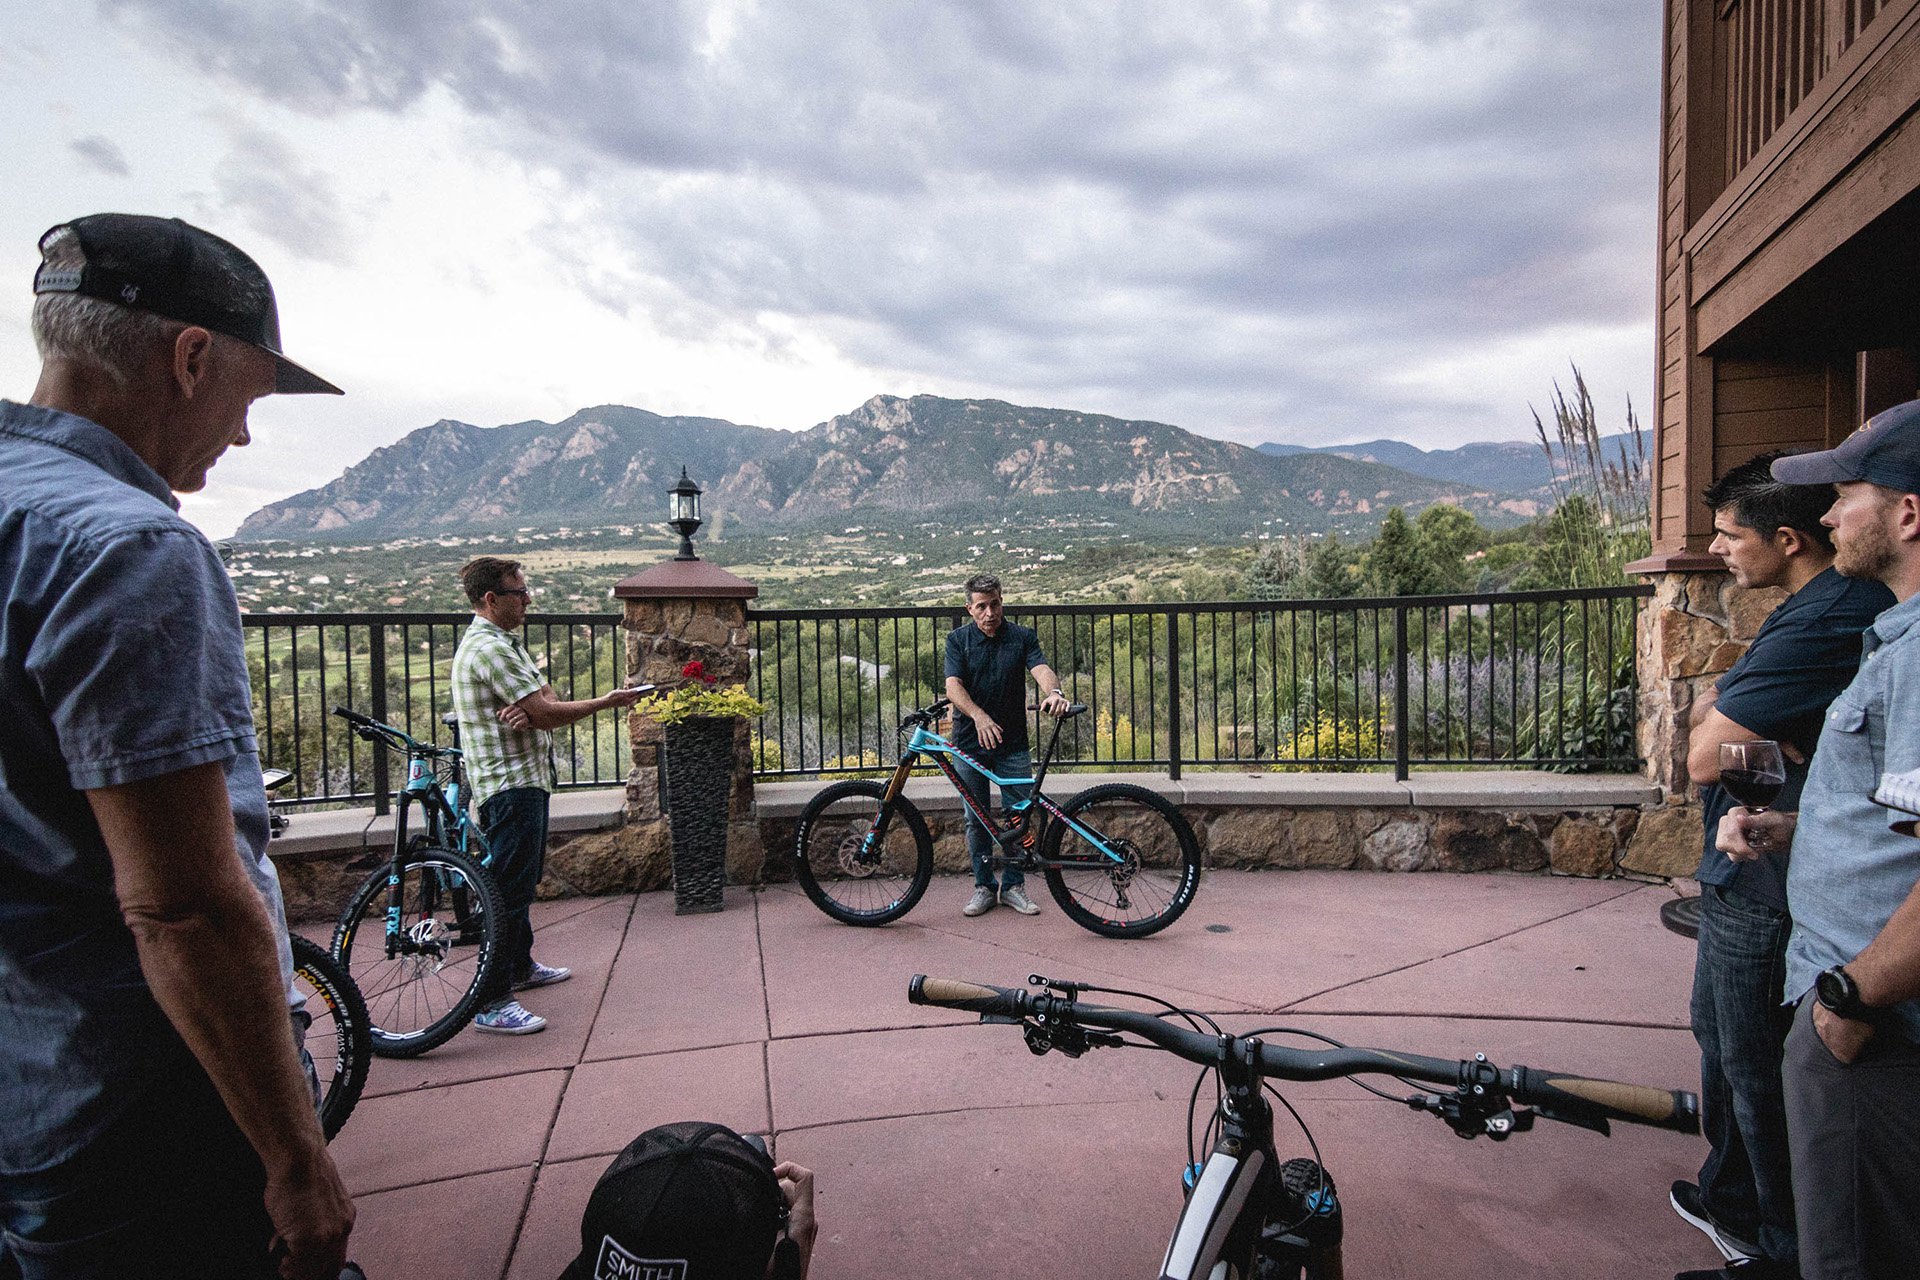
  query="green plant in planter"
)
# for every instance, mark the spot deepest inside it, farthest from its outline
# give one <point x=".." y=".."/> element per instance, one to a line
<point x="700" y="695"/>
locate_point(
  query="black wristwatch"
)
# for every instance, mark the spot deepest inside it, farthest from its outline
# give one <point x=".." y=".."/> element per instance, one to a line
<point x="1836" y="989"/>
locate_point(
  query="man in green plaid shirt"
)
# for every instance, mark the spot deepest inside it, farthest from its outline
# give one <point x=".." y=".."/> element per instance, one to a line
<point x="508" y="713"/>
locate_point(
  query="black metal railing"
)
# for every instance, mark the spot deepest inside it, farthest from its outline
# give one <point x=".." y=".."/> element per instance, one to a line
<point x="1540" y="679"/>
<point x="396" y="667"/>
<point x="1537" y="679"/>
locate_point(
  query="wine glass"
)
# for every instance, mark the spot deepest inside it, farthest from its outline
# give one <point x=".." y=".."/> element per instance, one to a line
<point x="1753" y="773"/>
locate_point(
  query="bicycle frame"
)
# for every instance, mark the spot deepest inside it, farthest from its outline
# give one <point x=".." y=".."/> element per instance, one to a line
<point x="949" y="758"/>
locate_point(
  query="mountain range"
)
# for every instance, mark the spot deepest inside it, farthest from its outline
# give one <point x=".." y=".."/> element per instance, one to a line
<point x="892" y="460"/>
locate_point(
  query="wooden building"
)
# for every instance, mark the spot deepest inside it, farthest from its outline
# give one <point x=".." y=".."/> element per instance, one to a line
<point x="1789" y="238"/>
<point x="1789" y="301"/>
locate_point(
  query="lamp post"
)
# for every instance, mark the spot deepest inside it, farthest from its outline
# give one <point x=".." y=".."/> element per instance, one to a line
<point x="683" y="513"/>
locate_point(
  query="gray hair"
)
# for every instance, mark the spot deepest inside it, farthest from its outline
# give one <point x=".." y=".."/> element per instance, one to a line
<point x="113" y="339"/>
<point x="982" y="584"/>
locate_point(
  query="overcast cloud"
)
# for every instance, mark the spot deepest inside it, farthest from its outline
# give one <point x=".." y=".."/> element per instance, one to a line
<point x="1289" y="221"/>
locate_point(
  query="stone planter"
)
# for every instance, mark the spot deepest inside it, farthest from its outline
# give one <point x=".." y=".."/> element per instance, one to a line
<point x="699" y="766"/>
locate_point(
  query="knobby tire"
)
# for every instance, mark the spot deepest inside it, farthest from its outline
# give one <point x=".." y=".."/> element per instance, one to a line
<point x="1150" y="889"/>
<point x="339" y="1035"/>
<point x="421" y="997"/>
<point x="853" y="884"/>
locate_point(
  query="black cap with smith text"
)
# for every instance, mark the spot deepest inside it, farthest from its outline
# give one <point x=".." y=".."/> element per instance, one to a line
<point x="1884" y="451"/>
<point x="174" y="269"/>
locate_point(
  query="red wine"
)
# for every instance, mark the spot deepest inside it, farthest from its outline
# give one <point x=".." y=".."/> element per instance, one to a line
<point x="1752" y="788"/>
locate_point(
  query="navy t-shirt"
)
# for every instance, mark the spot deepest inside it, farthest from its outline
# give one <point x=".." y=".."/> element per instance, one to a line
<point x="1807" y="651"/>
<point x="993" y="669"/>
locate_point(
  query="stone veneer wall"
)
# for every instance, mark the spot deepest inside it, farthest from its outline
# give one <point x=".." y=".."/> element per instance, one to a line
<point x="1693" y="628"/>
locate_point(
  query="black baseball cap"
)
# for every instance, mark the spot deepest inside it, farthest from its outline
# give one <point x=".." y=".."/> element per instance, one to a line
<point x="174" y="269"/>
<point x="685" y="1201"/>
<point x="1885" y="451"/>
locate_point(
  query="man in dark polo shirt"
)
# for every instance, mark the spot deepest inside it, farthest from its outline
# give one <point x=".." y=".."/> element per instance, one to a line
<point x="987" y="663"/>
<point x="1770" y="535"/>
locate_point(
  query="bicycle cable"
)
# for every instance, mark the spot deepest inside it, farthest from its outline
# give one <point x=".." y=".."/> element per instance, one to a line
<point x="1414" y="1085"/>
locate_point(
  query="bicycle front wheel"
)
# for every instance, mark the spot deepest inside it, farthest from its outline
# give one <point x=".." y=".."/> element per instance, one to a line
<point x="339" y="1036"/>
<point x="1139" y="876"/>
<point x="424" y="981"/>
<point x="849" y="874"/>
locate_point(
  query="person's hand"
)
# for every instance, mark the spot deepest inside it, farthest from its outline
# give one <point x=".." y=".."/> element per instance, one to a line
<point x="312" y="1216"/>
<point x="1793" y="754"/>
<point x="625" y="697"/>
<point x="1845" y="1038"/>
<point x="515" y="716"/>
<point x="796" y="1184"/>
<point x="988" y="730"/>
<point x="1055" y="704"/>
<point x="1744" y="835"/>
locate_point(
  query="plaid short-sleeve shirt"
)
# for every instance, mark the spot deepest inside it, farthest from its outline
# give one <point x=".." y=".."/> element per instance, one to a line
<point x="492" y="670"/>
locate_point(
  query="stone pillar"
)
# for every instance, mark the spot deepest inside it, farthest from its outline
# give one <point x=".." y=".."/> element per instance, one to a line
<point x="1689" y="633"/>
<point x="678" y="612"/>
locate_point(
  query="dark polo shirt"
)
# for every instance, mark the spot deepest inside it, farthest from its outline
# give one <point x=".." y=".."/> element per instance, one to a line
<point x="1806" y="652"/>
<point x="994" y="672"/>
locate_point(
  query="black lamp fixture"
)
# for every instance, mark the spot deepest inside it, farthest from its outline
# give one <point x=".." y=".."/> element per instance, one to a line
<point x="683" y="513"/>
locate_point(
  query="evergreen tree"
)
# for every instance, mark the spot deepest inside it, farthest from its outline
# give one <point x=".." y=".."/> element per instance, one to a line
<point x="1448" y="535"/>
<point x="1330" y="573"/>
<point x="1396" y="564"/>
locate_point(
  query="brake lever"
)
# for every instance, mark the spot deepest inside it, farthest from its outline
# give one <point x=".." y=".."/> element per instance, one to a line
<point x="1492" y="1118"/>
<point x="1063" y="1037"/>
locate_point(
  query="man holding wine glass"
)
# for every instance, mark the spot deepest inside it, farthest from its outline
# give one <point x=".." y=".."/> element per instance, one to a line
<point x="1748" y="744"/>
<point x="1851" y="1068"/>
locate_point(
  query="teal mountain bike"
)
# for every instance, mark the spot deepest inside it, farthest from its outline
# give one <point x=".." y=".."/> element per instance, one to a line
<point x="1119" y="859"/>
<point x="420" y="936"/>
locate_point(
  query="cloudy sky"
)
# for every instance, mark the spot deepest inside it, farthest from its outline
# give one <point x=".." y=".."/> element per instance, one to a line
<point x="1315" y="221"/>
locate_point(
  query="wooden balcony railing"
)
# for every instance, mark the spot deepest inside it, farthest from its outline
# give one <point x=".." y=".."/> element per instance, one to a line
<point x="1773" y="52"/>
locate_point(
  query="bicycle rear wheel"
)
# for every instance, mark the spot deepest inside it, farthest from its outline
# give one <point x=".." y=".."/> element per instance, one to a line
<point x="1147" y="886"/>
<point x="423" y="984"/>
<point x="339" y="1036"/>
<point x="852" y="878"/>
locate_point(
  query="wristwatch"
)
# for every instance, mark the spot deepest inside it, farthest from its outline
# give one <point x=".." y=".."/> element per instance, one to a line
<point x="1836" y="989"/>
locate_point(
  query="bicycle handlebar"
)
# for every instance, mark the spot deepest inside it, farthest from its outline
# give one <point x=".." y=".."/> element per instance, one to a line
<point x="389" y="736"/>
<point x="1572" y="1098"/>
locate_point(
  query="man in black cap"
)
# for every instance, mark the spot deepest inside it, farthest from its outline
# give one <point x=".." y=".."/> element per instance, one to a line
<point x="1852" y="1063"/>
<point x="696" y="1201"/>
<point x="154" y="1117"/>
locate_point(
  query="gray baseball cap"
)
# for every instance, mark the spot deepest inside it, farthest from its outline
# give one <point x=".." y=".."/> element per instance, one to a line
<point x="1884" y="451"/>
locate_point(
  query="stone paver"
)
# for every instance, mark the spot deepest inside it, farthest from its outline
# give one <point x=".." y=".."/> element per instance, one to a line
<point x="944" y="1148"/>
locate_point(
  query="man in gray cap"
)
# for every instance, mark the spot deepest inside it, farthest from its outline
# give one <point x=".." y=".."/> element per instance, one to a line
<point x="1852" y="1064"/>
<point x="155" y="1120"/>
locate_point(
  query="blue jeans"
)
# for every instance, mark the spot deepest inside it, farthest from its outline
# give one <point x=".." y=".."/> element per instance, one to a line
<point x="1741" y="1025"/>
<point x="515" y="821"/>
<point x="170" y="1190"/>
<point x="980" y="845"/>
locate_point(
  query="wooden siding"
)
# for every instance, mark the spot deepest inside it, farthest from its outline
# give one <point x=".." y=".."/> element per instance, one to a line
<point x="1787" y="127"/>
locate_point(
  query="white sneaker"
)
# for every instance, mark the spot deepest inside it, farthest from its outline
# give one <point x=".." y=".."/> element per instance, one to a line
<point x="980" y="903"/>
<point x="1015" y="896"/>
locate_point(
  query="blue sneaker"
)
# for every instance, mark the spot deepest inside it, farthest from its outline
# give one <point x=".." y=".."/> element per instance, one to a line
<point x="543" y="975"/>
<point x="508" y="1018"/>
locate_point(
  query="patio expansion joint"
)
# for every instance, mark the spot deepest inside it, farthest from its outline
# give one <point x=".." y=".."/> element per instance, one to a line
<point x="566" y="1083"/>
<point x="1293" y="1006"/>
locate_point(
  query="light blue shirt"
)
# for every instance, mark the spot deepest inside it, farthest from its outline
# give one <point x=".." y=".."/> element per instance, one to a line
<point x="120" y="660"/>
<point x="1849" y="871"/>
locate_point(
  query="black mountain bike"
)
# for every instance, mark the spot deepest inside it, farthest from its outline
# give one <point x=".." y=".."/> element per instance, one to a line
<point x="332" y="1018"/>
<point x="1248" y="1216"/>
<point x="1119" y="859"/>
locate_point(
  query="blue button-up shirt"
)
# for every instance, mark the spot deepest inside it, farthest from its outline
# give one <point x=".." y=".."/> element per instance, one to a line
<point x="1849" y="871"/>
<point x="120" y="660"/>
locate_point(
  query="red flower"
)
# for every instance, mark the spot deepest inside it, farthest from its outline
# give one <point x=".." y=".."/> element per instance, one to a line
<point x="696" y="671"/>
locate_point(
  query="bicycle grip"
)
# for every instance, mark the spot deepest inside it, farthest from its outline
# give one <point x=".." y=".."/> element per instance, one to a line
<point x="950" y="993"/>
<point x="1673" y="1109"/>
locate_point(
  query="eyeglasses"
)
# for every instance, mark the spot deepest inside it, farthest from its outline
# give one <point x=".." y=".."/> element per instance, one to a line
<point x="522" y="592"/>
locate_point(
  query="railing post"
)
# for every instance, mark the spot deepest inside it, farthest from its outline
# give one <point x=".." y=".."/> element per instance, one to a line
<point x="1402" y="748"/>
<point x="1173" y="694"/>
<point x="377" y="708"/>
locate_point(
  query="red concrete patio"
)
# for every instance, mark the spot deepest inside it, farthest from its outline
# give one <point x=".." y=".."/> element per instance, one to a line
<point x="943" y="1148"/>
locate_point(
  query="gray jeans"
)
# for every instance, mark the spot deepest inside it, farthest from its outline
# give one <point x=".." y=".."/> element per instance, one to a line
<point x="1854" y="1133"/>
